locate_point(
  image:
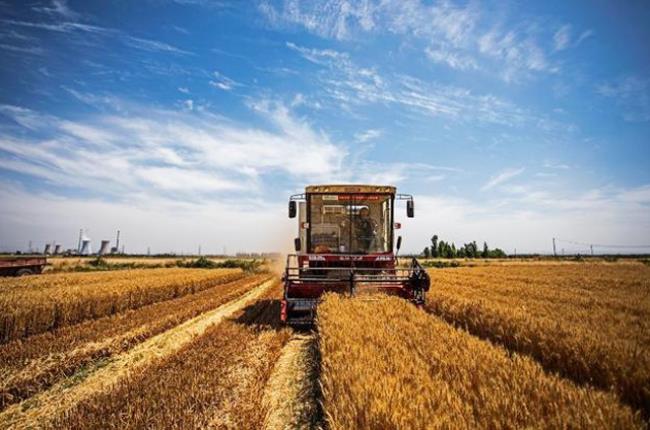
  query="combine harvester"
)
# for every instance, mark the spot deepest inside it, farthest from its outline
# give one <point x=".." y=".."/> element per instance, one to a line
<point x="345" y="245"/>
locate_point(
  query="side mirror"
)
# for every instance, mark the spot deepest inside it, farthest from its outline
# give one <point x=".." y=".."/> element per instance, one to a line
<point x="292" y="209"/>
<point x="410" y="209"/>
<point x="296" y="244"/>
<point x="399" y="242"/>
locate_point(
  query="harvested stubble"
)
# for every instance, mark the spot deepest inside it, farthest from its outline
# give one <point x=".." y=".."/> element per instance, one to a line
<point x="216" y="381"/>
<point x="386" y="364"/>
<point x="38" y="304"/>
<point x="31" y="365"/>
<point x="589" y="322"/>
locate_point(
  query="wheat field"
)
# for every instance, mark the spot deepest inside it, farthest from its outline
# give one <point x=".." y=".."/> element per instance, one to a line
<point x="496" y="346"/>
<point x="387" y="365"/>
<point x="38" y="304"/>
<point x="589" y="322"/>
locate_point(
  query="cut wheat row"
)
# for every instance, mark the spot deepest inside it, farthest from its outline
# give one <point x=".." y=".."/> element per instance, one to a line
<point x="590" y="323"/>
<point x="216" y="381"/>
<point x="386" y="364"/>
<point x="31" y="365"/>
<point x="35" y="305"/>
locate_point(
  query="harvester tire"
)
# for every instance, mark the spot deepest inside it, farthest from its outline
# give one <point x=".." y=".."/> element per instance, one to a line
<point x="24" y="272"/>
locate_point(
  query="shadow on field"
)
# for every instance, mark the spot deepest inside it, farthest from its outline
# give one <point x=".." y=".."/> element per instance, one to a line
<point x="264" y="314"/>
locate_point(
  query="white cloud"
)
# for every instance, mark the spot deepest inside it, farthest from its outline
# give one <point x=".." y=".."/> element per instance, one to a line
<point x="584" y="35"/>
<point x="455" y="34"/>
<point x="351" y="84"/>
<point x="105" y="32"/>
<point x="188" y="104"/>
<point x="529" y="221"/>
<point x="451" y="59"/>
<point x="147" y="150"/>
<point x="562" y="38"/>
<point x="223" y="82"/>
<point x="161" y="224"/>
<point x="58" y="8"/>
<point x="560" y="166"/>
<point x="34" y="50"/>
<point x="365" y="136"/>
<point x="632" y="96"/>
<point x="502" y="177"/>
<point x="341" y="19"/>
<point x="519" y="53"/>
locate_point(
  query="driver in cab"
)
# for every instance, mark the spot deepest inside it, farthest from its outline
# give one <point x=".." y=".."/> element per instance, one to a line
<point x="364" y="230"/>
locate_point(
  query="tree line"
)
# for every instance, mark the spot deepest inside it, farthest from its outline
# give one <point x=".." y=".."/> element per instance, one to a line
<point x="442" y="249"/>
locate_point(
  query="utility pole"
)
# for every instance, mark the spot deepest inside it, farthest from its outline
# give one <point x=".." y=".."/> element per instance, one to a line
<point x="554" y="251"/>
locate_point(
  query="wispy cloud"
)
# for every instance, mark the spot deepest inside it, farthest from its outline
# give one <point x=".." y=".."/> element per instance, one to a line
<point x="162" y="152"/>
<point x="340" y="20"/>
<point x="454" y="35"/>
<point x="557" y="166"/>
<point x="452" y="59"/>
<point x="502" y="177"/>
<point x="34" y="50"/>
<point x="153" y="45"/>
<point x="351" y="84"/>
<point x="79" y="27"/>
<point x="223" y="82"/>
<point x="519" y="53"/>
<point x="631" y="94"/>
<point x="58" y="8"/>
<point x="562" y="38"/>
<point x="365" y="136"/>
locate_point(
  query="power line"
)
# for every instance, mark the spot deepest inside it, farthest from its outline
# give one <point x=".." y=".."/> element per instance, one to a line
<point x="601" y="245"/>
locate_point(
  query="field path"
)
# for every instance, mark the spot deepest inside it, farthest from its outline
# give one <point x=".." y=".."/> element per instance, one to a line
<point x="41" y="409"/>
<point x="291" y="394"/>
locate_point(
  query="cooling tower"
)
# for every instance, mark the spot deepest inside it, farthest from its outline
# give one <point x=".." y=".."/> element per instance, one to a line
<point x="57" y="249"/>
<point x="104" y="247"/>
<point x="47" y="249"/>
<point x="85" y="247"/>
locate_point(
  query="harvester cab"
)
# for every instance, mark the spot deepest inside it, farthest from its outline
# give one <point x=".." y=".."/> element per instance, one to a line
<point x="345" y="244"/>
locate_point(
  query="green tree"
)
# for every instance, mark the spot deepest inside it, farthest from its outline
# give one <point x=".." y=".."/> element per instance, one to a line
<point x="486" y="251"/>
<point x="434" y="246"/>
<point x="497" y="253"/>
<point x="426" y="252"/>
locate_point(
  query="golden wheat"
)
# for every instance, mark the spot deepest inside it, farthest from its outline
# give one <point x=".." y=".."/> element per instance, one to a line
<point x="38" y="304"/>
<point x="386" y="364"/>
<point x="33" y="364"/>
<point x="590" y="322"/>
<point x="216" y="381"/>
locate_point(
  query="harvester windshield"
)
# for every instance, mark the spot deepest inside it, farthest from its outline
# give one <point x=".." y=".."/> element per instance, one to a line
<point x="350" y="223"/>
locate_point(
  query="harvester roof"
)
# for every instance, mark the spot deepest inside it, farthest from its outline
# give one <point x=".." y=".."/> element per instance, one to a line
<point x="351" y="188"/>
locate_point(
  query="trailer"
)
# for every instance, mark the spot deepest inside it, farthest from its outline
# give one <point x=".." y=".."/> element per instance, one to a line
<point x="22" y="266"/>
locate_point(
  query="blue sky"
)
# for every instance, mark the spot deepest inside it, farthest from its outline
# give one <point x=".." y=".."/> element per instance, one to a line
<point x="190" y="122"/>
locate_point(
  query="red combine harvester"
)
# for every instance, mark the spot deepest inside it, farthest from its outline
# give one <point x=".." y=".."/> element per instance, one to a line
<point x="345" y="245"/>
